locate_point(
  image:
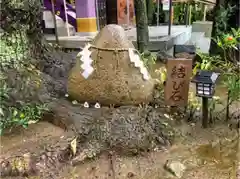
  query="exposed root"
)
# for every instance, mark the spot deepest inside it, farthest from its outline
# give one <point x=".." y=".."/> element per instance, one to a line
<point x="125" y="130"/>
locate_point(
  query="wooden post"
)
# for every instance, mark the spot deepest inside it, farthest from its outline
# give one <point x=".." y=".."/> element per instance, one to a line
<point x="190" y="15"/>
<point x="97" y="15"/>
<point x="172" y="15"/>
<point x="170" y="18"/>
<point x="238" y="158"/>
<point x="158" y="12"/>
<point x="179" y="71"/>
<point x="205" y="12"/>
<point x="204" y="112"/>
<point x="55" y="22"/>
<point x="66" y="17"/>
<point x="186" y="14"/>
<point x="227" y="106"/>
<point x="128" y="14"/>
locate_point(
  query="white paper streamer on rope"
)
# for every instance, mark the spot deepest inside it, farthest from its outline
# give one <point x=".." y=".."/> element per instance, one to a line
<point x="97" y="105"/>
<point x="86" y="61"/>
<point x="86" y="105"/>
<point x="135" y="58"/>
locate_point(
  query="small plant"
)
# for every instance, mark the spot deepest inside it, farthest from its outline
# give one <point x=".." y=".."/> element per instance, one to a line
<point x="148" y="59"/>
<point x="212" y="107"/>
<point x="162" y="72"/>
<point x="22" y="115"/>
<point x="227" y="64"/>
<point x="229" y="43"/>
<point x="194" y="105"/>
<point x="12" y="117"/>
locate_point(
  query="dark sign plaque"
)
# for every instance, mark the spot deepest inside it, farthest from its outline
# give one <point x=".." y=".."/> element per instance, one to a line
<point x="184" y="51"/>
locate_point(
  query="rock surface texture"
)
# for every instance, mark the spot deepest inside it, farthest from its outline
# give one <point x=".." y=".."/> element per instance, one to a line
<point x="115" y="79"/>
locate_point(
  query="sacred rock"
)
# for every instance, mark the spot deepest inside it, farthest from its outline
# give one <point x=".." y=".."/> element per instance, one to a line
<point x="110" y="72"/>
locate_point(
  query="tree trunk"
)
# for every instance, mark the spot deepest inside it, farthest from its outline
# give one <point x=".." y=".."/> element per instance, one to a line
<point x="150" y="10"/>
<point x="213" y="45"/>
<point x="234" y="21"/>
<point x="142" y="25"/>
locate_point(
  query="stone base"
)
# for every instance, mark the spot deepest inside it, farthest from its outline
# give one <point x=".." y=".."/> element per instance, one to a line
<point x="84" y="34"/>
<point x="202" y="26"/>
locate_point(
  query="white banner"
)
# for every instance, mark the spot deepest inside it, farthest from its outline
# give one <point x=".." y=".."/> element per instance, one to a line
<point x="166" y="4"/>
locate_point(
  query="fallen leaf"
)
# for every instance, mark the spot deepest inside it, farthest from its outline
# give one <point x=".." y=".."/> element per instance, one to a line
<point x="167" y="116"/>
<point x="165" y="124"/>
<point x="74" y="102"/>
<point x="32" y="122"/>
<point x="74" y="146"/>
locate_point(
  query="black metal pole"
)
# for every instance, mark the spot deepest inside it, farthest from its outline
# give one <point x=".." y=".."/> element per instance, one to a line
<point x="227" y="108"/>
<point x="204" y="112"/>
<point x="170" y="17"/>
<point x="186" y="13"/>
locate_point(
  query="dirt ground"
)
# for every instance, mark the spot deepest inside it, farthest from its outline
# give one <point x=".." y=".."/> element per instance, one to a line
<point x="200" y="150"/>
<point x="206" y="153"/>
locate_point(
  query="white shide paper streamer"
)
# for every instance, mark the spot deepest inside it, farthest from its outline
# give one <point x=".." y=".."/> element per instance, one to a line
<point x="86" y="61"/>
<point x="135" y="58"/>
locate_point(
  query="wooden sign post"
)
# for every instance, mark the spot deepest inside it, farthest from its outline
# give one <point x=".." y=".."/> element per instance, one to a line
<point x="179" y="71"/>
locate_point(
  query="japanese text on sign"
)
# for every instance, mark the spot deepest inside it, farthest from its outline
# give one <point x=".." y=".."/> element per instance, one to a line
<point x="177" y="85"/>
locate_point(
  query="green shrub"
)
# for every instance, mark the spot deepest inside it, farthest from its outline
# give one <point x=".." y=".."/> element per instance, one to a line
<point x="15" y="56"/>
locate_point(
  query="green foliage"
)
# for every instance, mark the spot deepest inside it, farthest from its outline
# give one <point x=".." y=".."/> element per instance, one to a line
<point x="179" y="14"/>
<point x="227" y="64"/>
<point x="229" y="40"/>
<point x="13" y="56"/>
<point x="180" y="9"/>
<point x="20" y="44"/>
<point x="197" y="12"/>
<point x="233" y="84"/>
<point x="149" y="59"/>
<point x="229" y="45"/>
<point x="13" y="50"/>
<point x="229" y="71"/>
<point x="221" y="18"/>
<point x="23" y="116"/>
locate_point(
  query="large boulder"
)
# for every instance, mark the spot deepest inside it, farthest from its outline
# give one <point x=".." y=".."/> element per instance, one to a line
<point x="115" y="79"/>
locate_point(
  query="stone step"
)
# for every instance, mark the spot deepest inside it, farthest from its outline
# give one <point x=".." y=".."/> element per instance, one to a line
<point x="61" y="25"/>
<point x="62" y="28"/>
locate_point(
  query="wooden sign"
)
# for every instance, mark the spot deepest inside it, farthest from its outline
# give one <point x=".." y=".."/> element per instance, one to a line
<point x="125" y="17"/>
<point x="179" y="71"/>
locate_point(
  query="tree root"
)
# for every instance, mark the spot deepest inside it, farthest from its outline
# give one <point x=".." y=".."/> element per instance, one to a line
<point x="127" y="130"/>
